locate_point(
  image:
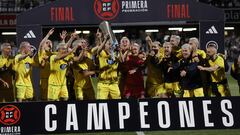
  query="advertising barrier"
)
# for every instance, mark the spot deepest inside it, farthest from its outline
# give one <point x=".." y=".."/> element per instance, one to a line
<point x="119" y="115"/>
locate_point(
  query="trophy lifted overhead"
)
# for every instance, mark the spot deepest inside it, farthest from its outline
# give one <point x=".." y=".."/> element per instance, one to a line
<point x="106" y="29"/>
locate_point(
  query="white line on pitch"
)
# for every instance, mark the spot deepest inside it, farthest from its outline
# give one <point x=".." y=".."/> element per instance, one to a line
<point x="140" y="133"/>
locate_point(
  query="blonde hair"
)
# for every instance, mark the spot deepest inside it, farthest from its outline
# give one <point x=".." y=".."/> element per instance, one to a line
<point x="60" y="45"/>
<point x="195" y="40"/>
<point x="167" y="43"/>
<point x="124" y="38"/>
<point x="178" y="38"/>
<point x="3" y="45"/>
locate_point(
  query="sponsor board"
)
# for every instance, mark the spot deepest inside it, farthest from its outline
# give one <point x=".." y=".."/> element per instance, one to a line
<point x="10" y="116"/>
<point x="123" y="115"/>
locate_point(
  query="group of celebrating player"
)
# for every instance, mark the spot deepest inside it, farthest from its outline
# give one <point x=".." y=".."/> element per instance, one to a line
<point x="173" y="70"/>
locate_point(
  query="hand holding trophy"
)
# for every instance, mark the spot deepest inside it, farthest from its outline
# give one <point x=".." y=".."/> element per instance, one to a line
<point x="106" y="30"/>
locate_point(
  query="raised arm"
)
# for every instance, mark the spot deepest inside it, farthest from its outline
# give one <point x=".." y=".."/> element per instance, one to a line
<point x="100" y="48"/>
<point x="23" y="56"/>
<point x="98" y="42"/>
<point x="50" y="32"/>
<point x="149" y="42"/>
<point x="73" y="36"/>
<point x="63" y="36"/>
<point x="62" y="56"/>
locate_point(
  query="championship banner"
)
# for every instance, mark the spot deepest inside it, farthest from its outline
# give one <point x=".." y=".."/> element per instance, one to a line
<point x="212" y="32"/>
<point x="92" y="12"/>
<point x="119" y="115"/>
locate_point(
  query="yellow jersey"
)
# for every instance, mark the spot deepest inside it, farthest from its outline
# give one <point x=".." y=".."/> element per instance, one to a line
<point x="80" y="80"/>
<point x="154" y="73"/>
<point x="218" y="75"/>
<point x="58" y="70"/>
<point x="6" y="62"/>
<point x="45" y="70"/>
<point x="201" y="53"/>
<point x="23" y="69"/>
<point x="107" y="72"/>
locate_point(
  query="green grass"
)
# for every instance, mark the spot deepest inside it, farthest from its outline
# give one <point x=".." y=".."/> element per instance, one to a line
<point x="197" y="132"/>
<point x="233" y="86"/>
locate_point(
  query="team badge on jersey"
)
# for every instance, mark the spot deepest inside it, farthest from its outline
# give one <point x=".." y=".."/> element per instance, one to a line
<point x="63" y="66"/>
<point x="27" y="65"/>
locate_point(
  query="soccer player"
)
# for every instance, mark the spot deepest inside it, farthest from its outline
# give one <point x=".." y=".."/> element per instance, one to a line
<point x="216" y="69"/>
<point x="57" y="88"/>
<point x="171" y="77"/>
<point x="23" y="63"/>
<point x="190" y="81"/>
<point x="82" y="70"/>
<point x="6" y="74"/>
<point x="44" y="53"/>
<point x="107" y="86"/>
<point x="154" y="83"/>
<point x="175" y="42"/>
<point x="124" y="49"/>
<point x="134" y="85"/>
<point x="199" y="56"/>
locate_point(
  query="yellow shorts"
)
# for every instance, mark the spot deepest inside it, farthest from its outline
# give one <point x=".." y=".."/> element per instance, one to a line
<point x="221" y="90"/>
<point x="194" y="93"/>
<point x="44" y="89"/>
<point x="84" y="93"/>
<point x="104" y="90"/>
<point x="154" y="90"/>
<point x="172" y="87"/>
<point x="55" y="92"/>
<point x="24" y="92"/>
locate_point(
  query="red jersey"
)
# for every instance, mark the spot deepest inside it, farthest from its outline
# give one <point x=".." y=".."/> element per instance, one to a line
<point x="134" y="82"/>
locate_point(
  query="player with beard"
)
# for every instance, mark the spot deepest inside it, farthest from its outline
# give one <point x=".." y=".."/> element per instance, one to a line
<point x="216" y="69"/>
<point x="154" y="83"/>
<point x="122" y="68"/>
<point x="134" y="85"/>
<point x="190" y="82"/>
<point x="171" y="77"/>
<point x="83" y="68"/>
<point x="6" y="74"/>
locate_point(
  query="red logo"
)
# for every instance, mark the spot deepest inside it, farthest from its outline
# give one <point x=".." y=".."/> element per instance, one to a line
<point x="9" y="115"/>
<point x="106" y="9"/>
